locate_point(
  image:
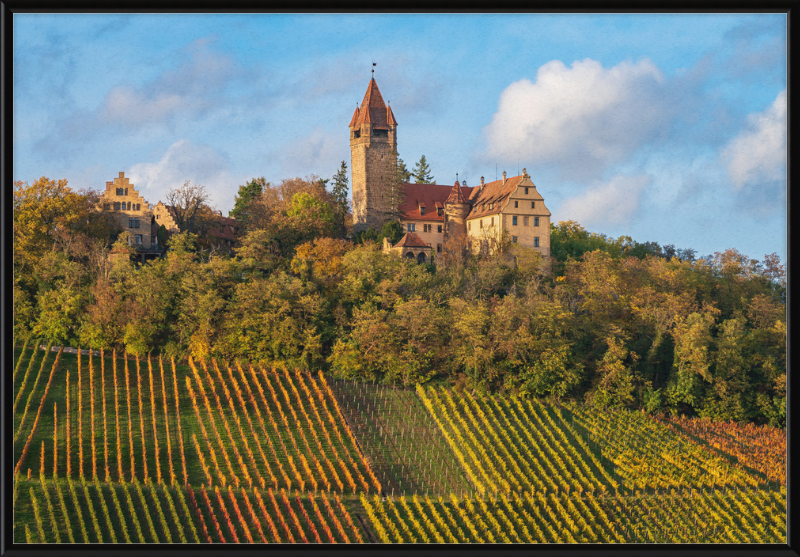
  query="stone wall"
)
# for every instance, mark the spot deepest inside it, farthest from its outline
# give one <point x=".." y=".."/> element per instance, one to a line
<point x="373" y="165"/>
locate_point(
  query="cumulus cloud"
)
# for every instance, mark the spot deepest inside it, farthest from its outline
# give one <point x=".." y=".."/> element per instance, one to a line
<point x="182" y="161"/>
<point x="580" y="118"/>
<point x="615" y="202"/>
<point x="758" y="153"/>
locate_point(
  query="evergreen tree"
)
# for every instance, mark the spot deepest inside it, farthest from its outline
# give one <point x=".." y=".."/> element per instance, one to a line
<point x="422" y="172"/>
<point x="403" y="173"/>
<point x="248" y="194"/>
<point x="340" y="197"/>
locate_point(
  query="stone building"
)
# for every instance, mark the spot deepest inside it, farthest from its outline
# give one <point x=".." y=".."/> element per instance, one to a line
<point x="373" y="160"/>
<point x="430" y="213"/>
<point x="222" y="232"/>
<point x="131" y="211"/>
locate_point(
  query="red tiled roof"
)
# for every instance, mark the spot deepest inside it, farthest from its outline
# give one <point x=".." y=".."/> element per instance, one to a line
<point x="492" y="193"/>
<point x="354" y="118"/>
<point x="430" y="195"/>
<point x="456" y="195"/>
<point x="390" y="116"/>
<point x="411" y="240"/>
<point x="373" y="110"/>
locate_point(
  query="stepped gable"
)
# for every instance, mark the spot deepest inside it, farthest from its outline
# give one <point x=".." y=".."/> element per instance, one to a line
<point x="456" y="195"/>
<point x="430" y="196"/>
<point x="373" y="110"/>
<point x="495" y="193"/>
<point x="411" y="240"/>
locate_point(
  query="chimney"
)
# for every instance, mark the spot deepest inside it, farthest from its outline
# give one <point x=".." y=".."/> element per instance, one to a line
<point x="121" y="174"/>
<point x="481" y="183"/>
<point x="108" y="185"/>
<point x="525" y="172"/>
<point x="464" y="183"/>
<point x="504" y="177"/>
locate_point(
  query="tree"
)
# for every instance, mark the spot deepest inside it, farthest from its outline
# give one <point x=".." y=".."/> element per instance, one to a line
<point x="186" y="202"/>
<point x="422" y="172"/>
<point x="247" y="196"/>
<point x="402" y="172"/>
<point x="339" y="192"/>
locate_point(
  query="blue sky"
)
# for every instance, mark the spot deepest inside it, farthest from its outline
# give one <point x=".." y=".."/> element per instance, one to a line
<point x="669" y="128"/>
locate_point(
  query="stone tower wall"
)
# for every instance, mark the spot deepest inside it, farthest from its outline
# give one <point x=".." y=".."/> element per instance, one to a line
<point x="373" y="164"/>
<point x="455" y="219"/>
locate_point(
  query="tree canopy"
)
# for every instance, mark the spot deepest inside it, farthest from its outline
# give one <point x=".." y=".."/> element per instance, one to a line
<point x="422" y="172"/>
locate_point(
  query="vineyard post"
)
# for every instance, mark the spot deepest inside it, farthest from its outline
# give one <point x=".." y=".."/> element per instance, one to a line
<point x="55" y="440"/>
<point x="68" y="420"/>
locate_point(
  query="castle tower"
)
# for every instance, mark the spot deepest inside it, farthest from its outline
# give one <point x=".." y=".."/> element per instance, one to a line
<point x="373" y="161"/>
<point x="456" y="209"/>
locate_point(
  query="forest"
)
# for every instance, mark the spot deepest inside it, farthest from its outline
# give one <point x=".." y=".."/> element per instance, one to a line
<point x="609" y="322"/>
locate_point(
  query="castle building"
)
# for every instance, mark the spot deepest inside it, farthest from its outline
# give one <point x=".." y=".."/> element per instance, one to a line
<point x="431" y="214"/>
<point x="131" y="211"/>
<point x="135" y="215"/>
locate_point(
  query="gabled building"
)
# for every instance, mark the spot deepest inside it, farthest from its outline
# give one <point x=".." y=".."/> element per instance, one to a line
<point x="432" y="213"/>
<point x="131" y="211"/>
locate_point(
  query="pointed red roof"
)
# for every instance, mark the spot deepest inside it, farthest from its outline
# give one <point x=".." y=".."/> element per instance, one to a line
<point x="354" y="118"/>
<point x="456" y="195"/>
<point x="411" y="240"/>
<point x="373" y="110"/>
<point x="390" y="116"/>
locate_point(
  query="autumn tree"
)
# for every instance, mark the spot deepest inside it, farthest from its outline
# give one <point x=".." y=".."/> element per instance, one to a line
<point x="185" y="203"/>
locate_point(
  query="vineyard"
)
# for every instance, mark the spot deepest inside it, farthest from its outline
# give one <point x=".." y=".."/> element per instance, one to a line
<point x="115" y="449"/>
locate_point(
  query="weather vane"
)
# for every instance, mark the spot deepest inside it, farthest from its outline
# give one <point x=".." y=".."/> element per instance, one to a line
<point x="373" y="69"/>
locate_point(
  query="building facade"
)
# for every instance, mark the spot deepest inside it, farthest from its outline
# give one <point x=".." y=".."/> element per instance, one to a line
<point x="509" y="209"/>
<point x="131" y="211"/>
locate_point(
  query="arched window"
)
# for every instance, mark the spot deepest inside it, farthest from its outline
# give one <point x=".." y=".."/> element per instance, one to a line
<point x="410" y="255"/>
<point x="421" y="257"/>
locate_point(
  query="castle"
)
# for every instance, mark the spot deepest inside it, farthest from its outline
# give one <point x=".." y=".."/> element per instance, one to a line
<point x="142" y="220"/>
<point x="433" y="214"/>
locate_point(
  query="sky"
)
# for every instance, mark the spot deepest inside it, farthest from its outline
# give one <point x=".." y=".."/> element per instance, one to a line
<point x="663" y="127"/>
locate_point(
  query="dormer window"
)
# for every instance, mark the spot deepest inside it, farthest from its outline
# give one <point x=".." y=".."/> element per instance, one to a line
<point x="439" y="211"/>
<point x="421" y="209"/>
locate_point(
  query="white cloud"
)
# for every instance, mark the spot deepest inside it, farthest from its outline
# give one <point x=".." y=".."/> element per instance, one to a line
<point x="319" y="152"/>
<point x="615" y="202"/>
<point x="580" y="118"/>
<point x="758" y="153"/>
<point x="183" y="161"/>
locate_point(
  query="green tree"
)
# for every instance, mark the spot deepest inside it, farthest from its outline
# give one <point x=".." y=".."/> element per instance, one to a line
<point x="422" y="172"/>
<point x="340" y="195"/>
<point x="403" y="174"/>
<point x="247" y="196"/>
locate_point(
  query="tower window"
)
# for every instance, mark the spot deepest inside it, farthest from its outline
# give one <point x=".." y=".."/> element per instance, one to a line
<point x="380" y="133"/>
<point x="356" y="134"/>
<point x="536" y="242"/>
<point x="514" y="220"/>
<point x="535" y="221"/>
